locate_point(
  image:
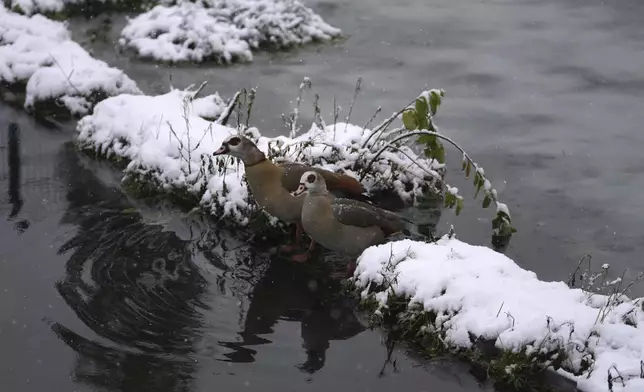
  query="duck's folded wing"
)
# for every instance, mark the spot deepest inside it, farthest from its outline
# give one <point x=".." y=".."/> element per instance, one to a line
<point x="356" y="213"/>
<point x="292" y="174"/>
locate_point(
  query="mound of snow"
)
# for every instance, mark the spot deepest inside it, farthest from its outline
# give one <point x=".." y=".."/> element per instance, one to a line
<point x="30" y="7"/>
<point x="39" y="52"/>
<point x="222" y="30"/>
<point x="477" y="292"/>
<point x="168" y="143"/>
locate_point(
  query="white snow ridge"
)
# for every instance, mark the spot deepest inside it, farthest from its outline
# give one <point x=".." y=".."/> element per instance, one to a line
<point x="168" y="144"/>
<point x="39" y="53"/>
<point x="222" y="30"/>
<point x="476" y="292"/>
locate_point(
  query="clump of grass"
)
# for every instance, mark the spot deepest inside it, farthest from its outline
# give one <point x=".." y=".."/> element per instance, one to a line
<point x="604" y="292"/>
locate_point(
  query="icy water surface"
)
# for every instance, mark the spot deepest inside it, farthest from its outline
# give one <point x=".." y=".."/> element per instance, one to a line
<point x="100" y="292"/>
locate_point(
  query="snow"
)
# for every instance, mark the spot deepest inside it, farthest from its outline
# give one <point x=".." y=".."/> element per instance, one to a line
<point x="136" y="128"/>
<point x="222" y="30"/>
<point x="152" y="133"/>
<point x="501" y="207"/>
<point x="39" y="52"/>
<point x="339" y="148"/>
<point x="29" y="7"/>
<point x="477" y="292"/>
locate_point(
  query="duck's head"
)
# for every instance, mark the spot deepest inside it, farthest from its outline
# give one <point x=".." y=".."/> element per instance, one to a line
<point x="311" y="182"/>
<point x="241" y="147"/>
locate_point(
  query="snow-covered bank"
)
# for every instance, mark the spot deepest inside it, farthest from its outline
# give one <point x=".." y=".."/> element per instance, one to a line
<point x="474" y="293"/>
<point x="30" y="7"/>
<point x="222" y="30"/>
<point x="60" y="8"/>
<point x="167" y="144"/>
<point x="38" y="55"/>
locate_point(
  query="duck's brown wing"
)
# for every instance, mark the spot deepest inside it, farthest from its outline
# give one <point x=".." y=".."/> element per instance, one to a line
<point x="292" y="174"/>
<point x="334" y="181"/>
<point x="356" y="213"/>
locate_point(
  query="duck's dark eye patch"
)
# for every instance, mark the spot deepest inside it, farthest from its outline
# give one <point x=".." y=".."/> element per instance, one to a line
<point x="311" y="178"/>
<point x="234" y="141"/>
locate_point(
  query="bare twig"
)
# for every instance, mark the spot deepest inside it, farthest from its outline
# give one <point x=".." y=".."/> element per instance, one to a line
<point x="383" y="125"/>
<point x="178" y="139"/>
<point x="501" y="307"/>
<point x="318" y="114"/>
<point x="194" y="94"/>
<point x="306" y="84"/>
<point x="68" y="77"/>
<point x="335" y="116"/>
<point x="373" y="117"/>
<point x="356" y="91"/>
<point x="251" y="100"/>
<point x="225" y="115"/>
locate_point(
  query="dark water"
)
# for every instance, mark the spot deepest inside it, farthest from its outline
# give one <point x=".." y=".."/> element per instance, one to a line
<point x="101" y="292"/>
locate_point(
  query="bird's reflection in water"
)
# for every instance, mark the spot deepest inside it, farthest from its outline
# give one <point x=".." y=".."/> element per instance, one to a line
<point x="133" y="284"/>
<point x="301" y="294"/>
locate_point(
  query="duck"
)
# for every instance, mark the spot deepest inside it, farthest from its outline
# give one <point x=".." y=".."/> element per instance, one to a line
<point x="343" y="225"/>
<point x="272" y="185"/>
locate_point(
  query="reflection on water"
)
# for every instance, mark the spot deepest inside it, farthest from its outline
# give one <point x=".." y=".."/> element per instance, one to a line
<point x="131" y="283"/>
<point x="138" y="287"/>
<point x="13" y="164"/>
<point x="289" y="292"/>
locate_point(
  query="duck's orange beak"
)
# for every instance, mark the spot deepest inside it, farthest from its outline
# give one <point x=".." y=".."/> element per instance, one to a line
<point x="300" y="190"/>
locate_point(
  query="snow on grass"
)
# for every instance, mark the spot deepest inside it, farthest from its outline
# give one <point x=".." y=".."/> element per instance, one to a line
<point x="168" y="144"/>
<point x="339" y="148"/>
<point x="60" y="8"/>
<point x="39" y="53"/>
<point x="476" y="292"/>
<point x="222" y="30"/>
<point x="30" y="7"/>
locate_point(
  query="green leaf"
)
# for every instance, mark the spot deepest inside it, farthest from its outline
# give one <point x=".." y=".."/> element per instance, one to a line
<point x="422" y="121"/>
<point x="468" y="169"/>
<point x="448" y="199"/>
<point x="434" y="101"/>
<point x="479" y="184"/>
<point x="486" y="201"/>
<point x="409" y="119"/>
<point x="427" y="140"/>
<point x="476" y="180"/>
<point x="439" y="152"/>
<point x="459" y="205"/>
<point x="421" y="107"/>
<point x="463" y="166"/>
<point x="496" y="223"/>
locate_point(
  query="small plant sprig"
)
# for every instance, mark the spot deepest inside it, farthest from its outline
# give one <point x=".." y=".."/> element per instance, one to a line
<point x="418" y="121"/>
